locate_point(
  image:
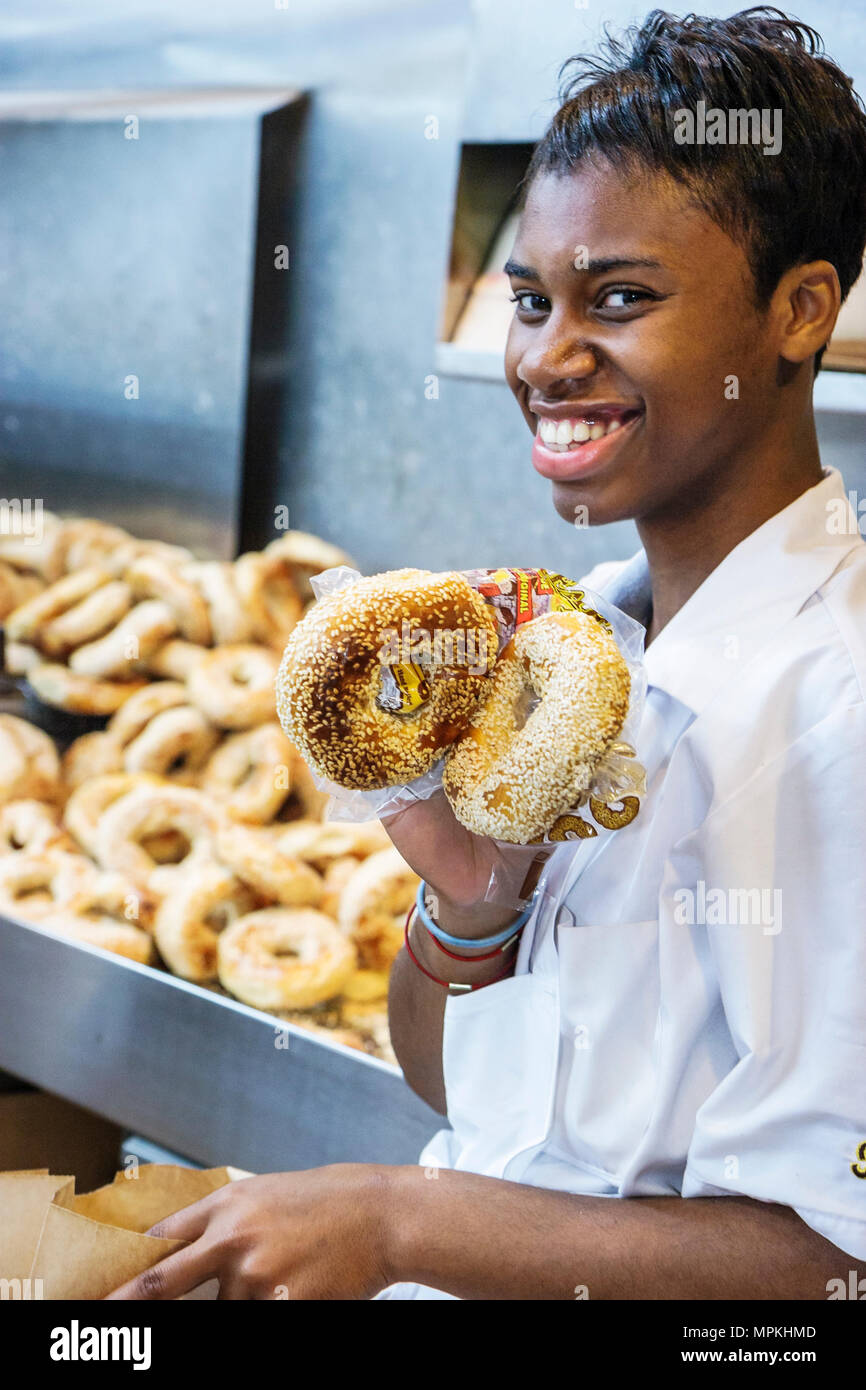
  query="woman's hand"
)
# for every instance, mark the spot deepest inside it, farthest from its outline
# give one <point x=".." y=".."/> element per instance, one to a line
<point x="316" y="1234"/>
<point x="473" y="876"/>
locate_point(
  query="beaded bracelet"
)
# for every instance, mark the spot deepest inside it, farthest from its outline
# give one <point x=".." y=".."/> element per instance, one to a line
<point x="448" y="940"/>
<point x="446" y="984"/>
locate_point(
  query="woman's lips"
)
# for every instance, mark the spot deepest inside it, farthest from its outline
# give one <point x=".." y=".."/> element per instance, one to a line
<point x="581" y="459"/>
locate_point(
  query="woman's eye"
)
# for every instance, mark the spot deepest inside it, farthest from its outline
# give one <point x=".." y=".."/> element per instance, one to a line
<point x="622" y="298"/>
<point x="530" y="302"/>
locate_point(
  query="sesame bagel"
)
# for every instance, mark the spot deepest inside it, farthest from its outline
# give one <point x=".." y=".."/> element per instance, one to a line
<point x="511" y="780"/>
<point x="329" y="686"/>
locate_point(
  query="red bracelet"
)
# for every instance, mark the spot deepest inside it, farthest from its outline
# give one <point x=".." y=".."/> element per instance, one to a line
<point x="447" y="984"/>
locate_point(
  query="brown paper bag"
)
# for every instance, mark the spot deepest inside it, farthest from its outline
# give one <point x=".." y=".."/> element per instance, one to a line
<point x="84" y="1247"/>
<point x="157" y="1190"/>
<point x="79" y="1259"/>
<point x="24" y="1200"/>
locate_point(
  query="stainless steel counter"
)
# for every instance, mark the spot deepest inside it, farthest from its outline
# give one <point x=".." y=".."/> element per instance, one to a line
<point x="197" y="1072"/>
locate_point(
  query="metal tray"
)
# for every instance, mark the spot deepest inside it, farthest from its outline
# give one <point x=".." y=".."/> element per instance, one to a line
<point x="18" y="697"/>
<point x="196" y="1072"/>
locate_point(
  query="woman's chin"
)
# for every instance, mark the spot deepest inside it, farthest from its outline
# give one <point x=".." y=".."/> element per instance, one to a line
<point x="574" y="506"/>
<point x="583" y="507"/>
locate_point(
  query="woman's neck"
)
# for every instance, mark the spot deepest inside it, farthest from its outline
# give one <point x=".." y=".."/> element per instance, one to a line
<point x="684" y="545"/>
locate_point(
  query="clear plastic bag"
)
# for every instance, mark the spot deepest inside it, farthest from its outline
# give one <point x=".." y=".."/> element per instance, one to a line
<point x="517" y="595"/>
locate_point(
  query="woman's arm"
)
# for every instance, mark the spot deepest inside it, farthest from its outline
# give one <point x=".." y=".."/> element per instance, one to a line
<point x="480" y="1237"/>
<point x="347" y="1231"/>
<point x="416" y="1006"/>
<point x="457" y="866"/>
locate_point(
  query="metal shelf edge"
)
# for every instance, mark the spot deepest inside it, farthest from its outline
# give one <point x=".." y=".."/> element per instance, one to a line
<point x="199" y="1073"/>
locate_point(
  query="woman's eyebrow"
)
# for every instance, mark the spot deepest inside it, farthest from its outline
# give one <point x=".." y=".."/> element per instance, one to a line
<point x="600" y="266"/>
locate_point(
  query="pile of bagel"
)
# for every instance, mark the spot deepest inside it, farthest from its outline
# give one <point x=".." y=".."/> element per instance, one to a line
<point x="188" y="830"/>
<point x="91" y="614"/>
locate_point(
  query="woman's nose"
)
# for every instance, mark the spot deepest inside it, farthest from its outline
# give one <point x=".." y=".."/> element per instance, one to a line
<point x="545" y="364"/>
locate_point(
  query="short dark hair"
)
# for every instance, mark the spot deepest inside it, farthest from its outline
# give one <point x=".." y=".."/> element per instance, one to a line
<point x="808" y="202"/>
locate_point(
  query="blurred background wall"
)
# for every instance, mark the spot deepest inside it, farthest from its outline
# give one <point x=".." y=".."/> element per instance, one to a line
<point x="105" y="264"/>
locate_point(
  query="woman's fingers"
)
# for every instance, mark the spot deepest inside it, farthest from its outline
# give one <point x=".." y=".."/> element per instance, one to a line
<point x="185" y="1269"/>
<point x="177" y="1274"/>
<point x="186" y="1224"/>
<point x="437" y="846"/>
<point x="462" y="867"/>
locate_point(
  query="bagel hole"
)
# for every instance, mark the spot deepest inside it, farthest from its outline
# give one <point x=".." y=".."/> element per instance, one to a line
<point x="219" y="918"/>
<point x="391" y="698"/>
<point x="167" y="846"/>
<point x="523" y="706"/>
<point x="291" y="809"/>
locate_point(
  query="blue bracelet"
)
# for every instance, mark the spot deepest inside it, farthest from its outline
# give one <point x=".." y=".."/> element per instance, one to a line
<point x="448" y="940"/>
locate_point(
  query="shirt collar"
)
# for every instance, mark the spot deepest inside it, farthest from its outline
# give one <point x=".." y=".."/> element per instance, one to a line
<point x="762" y="583"/>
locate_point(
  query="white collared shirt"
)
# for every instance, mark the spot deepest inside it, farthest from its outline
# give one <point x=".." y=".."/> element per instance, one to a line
<point x="688" y="1011"/>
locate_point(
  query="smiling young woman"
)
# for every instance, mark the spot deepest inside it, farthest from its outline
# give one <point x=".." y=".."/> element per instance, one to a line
<point x="671" y="305"/>
<point x="651" y="334"/>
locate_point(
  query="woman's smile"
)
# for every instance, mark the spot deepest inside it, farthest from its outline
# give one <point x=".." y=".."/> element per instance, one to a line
<point x="566" y="449"/>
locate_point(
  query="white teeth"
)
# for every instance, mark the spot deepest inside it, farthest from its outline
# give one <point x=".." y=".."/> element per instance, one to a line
<point x="560" y="435"/>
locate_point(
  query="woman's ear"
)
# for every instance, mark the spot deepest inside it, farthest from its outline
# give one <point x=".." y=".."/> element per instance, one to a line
<point x="806" y="302"/>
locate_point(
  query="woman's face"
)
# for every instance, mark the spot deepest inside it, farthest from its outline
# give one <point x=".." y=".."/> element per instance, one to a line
<point x="635" y="314"/>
